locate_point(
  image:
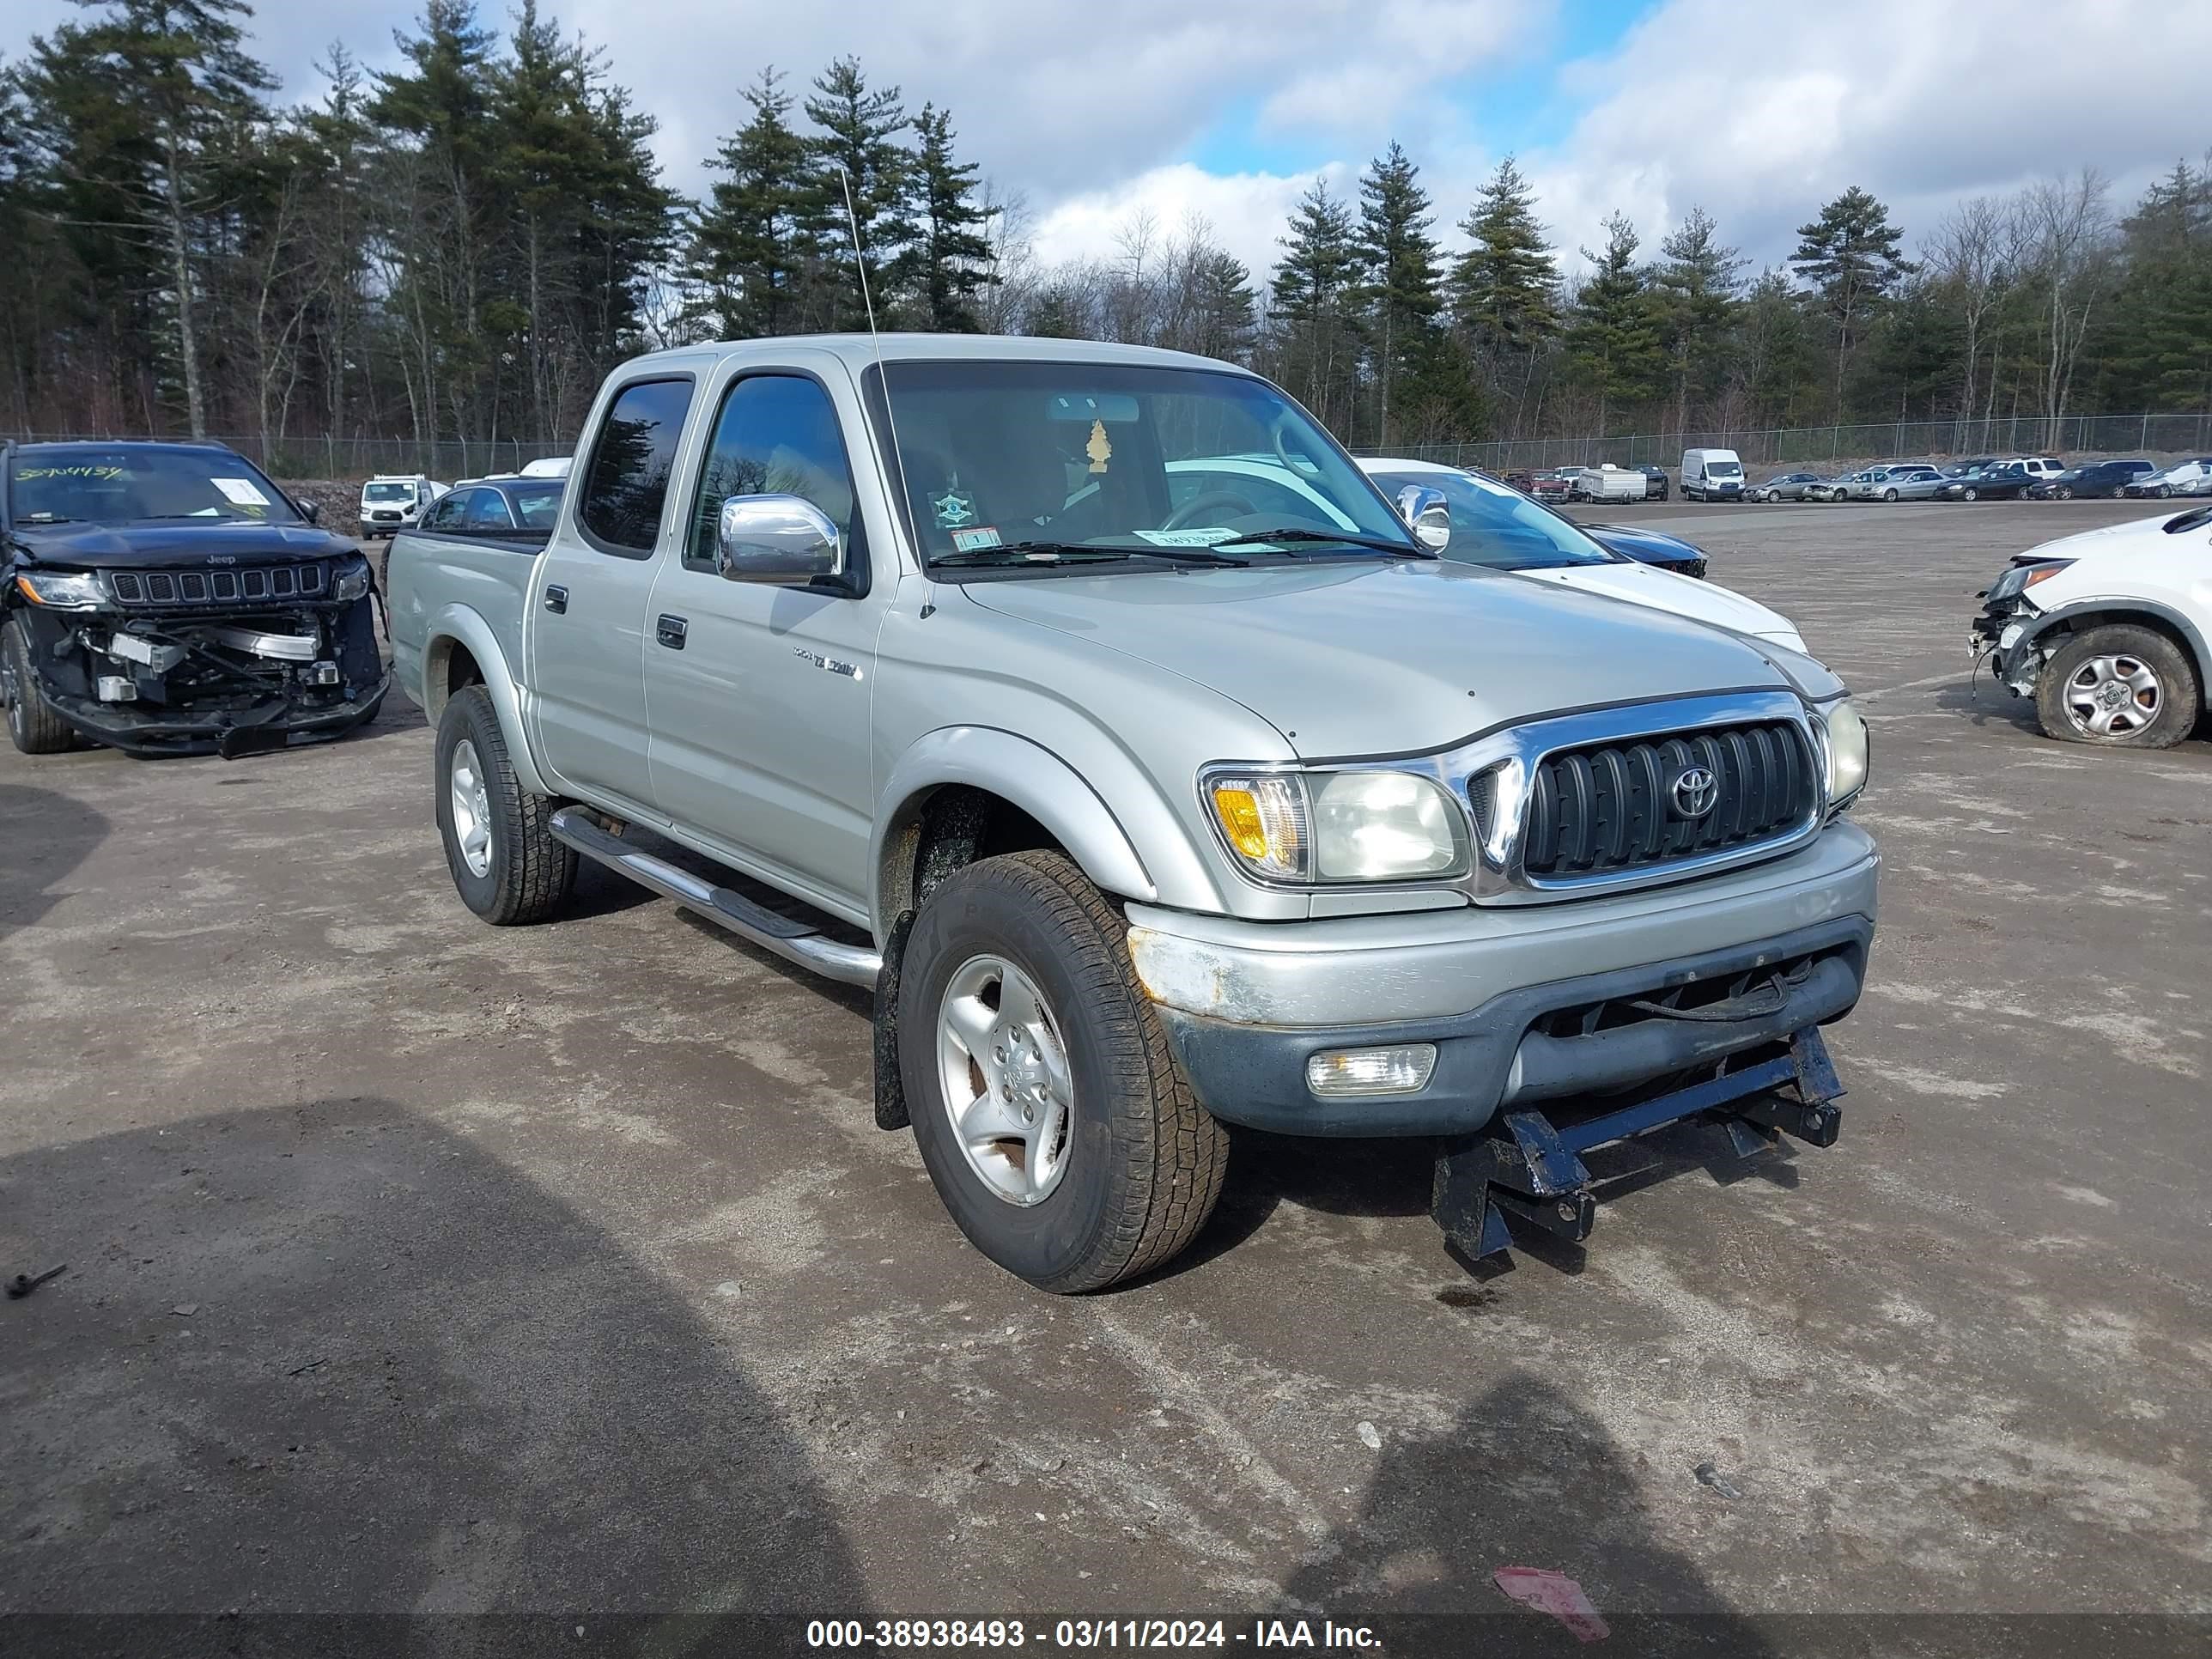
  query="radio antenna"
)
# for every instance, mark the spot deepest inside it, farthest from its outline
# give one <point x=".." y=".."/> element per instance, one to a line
<point x="882" y="375"/>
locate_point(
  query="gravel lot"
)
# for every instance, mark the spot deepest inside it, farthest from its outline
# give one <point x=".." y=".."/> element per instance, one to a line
<point x="419" y="1267"/>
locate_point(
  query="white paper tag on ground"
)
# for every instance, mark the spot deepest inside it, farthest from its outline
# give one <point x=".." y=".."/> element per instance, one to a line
<point x="240" y="491"/>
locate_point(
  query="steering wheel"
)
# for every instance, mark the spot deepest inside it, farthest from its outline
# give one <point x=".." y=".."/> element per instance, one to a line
<point x="1207" y="501"/>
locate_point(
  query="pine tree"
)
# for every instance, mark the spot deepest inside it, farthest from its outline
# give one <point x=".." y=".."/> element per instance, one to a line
<point x="858" y="147"/>
<point x="1313" y="286"/>
<point x="1849" y="257"/>
<point x="758" y="240"/>
<point x="949" y="261"/>
<point x="1694" y="286"/>
<point x="1502" y="288"/>
<point x="1612" y="338"/>
<point x="1224" y="323"/>
<point x="181" y="92"/>
<point x="1400" y="273"/>
<point x="2159" y="334"/>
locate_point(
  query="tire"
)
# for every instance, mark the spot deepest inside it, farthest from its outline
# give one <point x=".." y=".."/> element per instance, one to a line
<point x="32" y="725"/>
<point x="1970" y="494"/>
<point x="1138" y="1161"/>
<point x="1889" y="495"/>
<point x="2119" y="492"/>
<point x="2071" y="703"/>
<point x="525" y="872"/>
<point x="2163" y="491"/>
<point x="2065" y="492"/>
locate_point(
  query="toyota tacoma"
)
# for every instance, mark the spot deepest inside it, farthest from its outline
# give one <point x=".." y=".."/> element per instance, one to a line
<point x="1091" y="707"/>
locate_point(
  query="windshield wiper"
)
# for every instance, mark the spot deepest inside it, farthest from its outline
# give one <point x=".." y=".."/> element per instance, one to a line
<point x="1296" y="533"/>
<point x="1046" y="553"/>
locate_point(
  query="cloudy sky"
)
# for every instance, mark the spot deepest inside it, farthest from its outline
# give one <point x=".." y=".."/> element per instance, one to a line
<point x="1092" y="109"/>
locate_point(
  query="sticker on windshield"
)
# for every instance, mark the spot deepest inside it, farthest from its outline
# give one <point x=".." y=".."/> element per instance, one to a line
<point x="1185" y="538"/>
<point x="1100" y="449"/>
<point x="24" y="472"/>
<point x="953" y="509"/>
<point x="239" y="492"/>
<point x="975" y="538"/>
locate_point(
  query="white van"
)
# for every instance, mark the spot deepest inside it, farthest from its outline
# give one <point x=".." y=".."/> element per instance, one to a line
<point x="1711" y="475"/>
<point x="393" y="501"/>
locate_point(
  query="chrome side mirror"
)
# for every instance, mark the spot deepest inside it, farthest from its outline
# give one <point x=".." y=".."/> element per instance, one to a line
<point x="1427" y="513"/>
<point x="785" y="540"/>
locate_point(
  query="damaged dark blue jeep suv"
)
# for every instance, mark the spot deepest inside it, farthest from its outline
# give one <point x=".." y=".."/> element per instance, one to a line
<point x="166" y="598"/>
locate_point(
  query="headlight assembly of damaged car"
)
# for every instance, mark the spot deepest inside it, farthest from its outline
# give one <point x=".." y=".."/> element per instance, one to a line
<point x="352" y="582"/>
<point x="2021" y="577"/>
<point x="61" y="591"/>
<point x="1332" y="826"/>
<point x="1848" y="751"/>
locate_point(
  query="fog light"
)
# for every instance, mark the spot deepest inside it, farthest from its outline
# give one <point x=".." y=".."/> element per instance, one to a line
<point x="1401" y="1071"/>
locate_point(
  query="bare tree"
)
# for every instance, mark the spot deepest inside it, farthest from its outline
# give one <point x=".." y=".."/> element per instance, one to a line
<point x="1970" y="254"/>
<point x="2065" y="236"/>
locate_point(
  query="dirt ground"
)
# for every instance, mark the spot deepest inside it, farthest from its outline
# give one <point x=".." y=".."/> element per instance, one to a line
<point x="416" y="1268"/>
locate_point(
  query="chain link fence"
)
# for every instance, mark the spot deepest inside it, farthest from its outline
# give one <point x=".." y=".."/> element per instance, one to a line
<point x="2072" y="436"/>
<point x="445" y="459"/>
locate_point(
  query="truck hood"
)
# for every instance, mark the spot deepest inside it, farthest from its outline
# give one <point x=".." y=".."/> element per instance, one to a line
<point x="1685" y="596"/>
<point x="172" y="543"/>
<point x="1396" y="658"/>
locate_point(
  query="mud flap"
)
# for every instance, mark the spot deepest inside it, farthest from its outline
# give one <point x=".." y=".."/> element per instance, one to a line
<point x="890" y="1092"/>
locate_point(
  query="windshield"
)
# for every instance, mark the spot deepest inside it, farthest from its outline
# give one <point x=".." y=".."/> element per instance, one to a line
<point x="1122" y="457"/>
<point x="1723" y="470"/>
<point x="1499" y="528"/>
<point x="89" y="484"/>
<point x="536" y="504"/>
<point x="387" y="492"/>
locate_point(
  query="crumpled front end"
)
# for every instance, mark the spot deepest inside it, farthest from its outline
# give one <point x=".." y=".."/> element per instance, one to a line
<point x="229" y="661"/>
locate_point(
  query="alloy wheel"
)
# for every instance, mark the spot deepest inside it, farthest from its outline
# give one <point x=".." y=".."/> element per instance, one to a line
<point x="2113" y="696"/>
<point x="1007" y="1086"/>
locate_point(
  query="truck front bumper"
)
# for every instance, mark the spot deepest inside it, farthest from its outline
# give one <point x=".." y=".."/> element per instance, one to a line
<point x="1523" y="1004"/>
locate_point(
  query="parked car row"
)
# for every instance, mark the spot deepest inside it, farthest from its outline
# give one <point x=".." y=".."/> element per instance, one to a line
<point x="2037" y="477"/>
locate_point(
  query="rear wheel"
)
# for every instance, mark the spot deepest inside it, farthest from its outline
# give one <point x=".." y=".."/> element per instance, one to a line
<point x="1049" y="1110"/>
<point x="2121" y="686"/>
<point x="32" y="725"/>
<point x="506" y="864"/>
<point x="2119" y="492"/>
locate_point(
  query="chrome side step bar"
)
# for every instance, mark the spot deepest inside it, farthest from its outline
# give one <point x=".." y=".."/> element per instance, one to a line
<point x="795" y="941"/>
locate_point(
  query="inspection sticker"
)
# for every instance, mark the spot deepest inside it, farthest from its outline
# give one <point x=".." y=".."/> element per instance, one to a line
<point x="239" y="492"/>
<point x="975" y="538"/>
<point x="1185" y="538"/>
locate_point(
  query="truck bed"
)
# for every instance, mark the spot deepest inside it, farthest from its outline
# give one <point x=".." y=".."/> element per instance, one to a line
<point x="425" y="571"/>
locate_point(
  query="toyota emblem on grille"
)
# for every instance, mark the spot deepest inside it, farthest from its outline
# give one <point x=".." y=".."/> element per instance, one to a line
<point x="1695" y="791"/>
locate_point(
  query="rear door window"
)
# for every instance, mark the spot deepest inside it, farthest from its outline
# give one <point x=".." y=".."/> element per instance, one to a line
<point x="488" y="513"/>
<point x="626" y="483"/>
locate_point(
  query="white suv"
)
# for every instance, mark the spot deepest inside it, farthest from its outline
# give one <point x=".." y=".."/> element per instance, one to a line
<point x="2107" y="630"/>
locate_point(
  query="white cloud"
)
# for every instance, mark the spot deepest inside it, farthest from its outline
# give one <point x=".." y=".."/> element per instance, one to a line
<point x="1245" y="212"/>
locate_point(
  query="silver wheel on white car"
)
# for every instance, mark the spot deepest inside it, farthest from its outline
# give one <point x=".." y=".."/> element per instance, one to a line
<point x="471" y="804"/>
<point x="2113" y="696"/>
<point x="1006" y="1085"/>
<point x="2122" y="686"/>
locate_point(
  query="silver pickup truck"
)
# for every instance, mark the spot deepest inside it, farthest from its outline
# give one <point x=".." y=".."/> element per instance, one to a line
<point x="1089" y="705"/>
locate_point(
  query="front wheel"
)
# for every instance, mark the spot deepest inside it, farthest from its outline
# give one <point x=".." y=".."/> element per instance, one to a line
<point x="2121" y="686"/>
<point x="2065" y="492"/>
<point x="506" y="864"/>
<point x="1889" y="495"/>
<point x="2163" y="491"/>
<point x="32" y="725"/>
<point x="1049" y="1112"/>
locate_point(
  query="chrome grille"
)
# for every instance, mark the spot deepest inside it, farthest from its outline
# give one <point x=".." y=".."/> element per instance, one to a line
<point x="257" y="584"/>
<point x="1608" y="808"/>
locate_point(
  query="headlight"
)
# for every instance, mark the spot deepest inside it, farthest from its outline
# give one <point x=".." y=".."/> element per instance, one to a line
<point x="1339" y="826"/>
<point x="352" y="582"/>
<point x="61" y="591"/>
<point x="1847" y="749"/>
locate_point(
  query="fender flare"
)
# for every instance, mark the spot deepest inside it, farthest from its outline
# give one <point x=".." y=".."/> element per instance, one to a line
<point x="2076" y="611"/>
<point x="1016" y="769"/>
<point x="458" y="624"/>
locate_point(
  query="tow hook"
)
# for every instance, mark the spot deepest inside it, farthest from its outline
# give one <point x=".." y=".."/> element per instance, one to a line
<point x="1531" y="1168"/>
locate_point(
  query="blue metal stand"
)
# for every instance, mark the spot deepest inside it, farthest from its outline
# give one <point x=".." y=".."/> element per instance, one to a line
<point x="1530" y="1167"/>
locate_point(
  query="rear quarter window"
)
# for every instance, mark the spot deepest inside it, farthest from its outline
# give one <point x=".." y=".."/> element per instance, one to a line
<point x="626" y="483"/>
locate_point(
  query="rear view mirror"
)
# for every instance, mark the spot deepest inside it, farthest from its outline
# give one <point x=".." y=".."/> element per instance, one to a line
<point x="1426" y="512"/>
<point x="785" y="540"/>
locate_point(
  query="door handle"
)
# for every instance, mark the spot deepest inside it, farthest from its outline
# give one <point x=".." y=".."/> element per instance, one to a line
<point x="670" y="631"/>
<point x="556" y="599"/>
